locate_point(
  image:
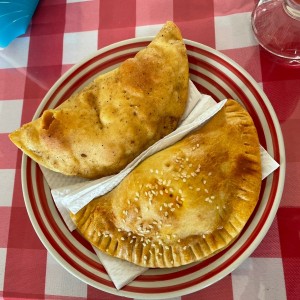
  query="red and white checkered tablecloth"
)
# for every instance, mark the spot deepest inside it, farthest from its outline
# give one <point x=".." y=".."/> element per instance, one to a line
<point x="63" y="32"/>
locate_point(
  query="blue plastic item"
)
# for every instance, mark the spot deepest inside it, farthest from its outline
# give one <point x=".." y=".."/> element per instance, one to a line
<point x="15" y="16"/>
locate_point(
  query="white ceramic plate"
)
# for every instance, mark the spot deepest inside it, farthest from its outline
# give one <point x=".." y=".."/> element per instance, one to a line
<point x="214" y="74"/>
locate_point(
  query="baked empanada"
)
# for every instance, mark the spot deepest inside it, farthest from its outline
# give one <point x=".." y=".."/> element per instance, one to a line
<point x="99" y="130"/>
<point x="184" y="203"/>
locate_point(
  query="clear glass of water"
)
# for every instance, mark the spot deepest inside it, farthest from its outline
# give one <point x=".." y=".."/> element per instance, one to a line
<point x="276" y="26"/>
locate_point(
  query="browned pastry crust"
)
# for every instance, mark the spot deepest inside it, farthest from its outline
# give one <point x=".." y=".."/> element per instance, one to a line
<point x="99" y="130"/>
<point x="185" y="203"/>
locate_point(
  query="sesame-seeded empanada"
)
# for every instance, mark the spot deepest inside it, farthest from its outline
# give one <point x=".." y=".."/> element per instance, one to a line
<point x="184" y="203"/>
<point x="99" y="130"/>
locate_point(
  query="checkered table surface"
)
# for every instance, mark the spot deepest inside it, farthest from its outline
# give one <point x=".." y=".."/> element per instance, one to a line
<point x="64" y="32"/>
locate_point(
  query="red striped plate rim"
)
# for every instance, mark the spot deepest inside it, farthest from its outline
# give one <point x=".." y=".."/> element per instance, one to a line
<point x="208" y="68"/>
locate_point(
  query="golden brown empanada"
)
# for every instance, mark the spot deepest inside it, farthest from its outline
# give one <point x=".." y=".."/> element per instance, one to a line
<point x="99" y="130"/>
<point x="184" y="203"/>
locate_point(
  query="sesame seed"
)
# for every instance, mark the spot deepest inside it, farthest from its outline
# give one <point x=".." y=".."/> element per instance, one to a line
<point x="165" y="204"/>
<point x="184" y="180"/>
<point x="131" y="241"/>
<point x="184" y="248"/>
<point x="172" y="209"/>
<point x="197" y="145"/>
<point x="204" y="181"/>
<point x="190" y="165"/>
<point x="206" y="199"/>
<point x="212" y="197"/>
<point x="179" y="240"/>
<point x="166" y="214"/>
<point x="167" y="247"/>
<point x="136" y="210"/>
<point x="206" y="190"/>
<point x="161" y="192"/>
<point x="218" y="207"/>
<point x="151" y="170"/>
<point x="194" y="148"/>
<point x="160" y="254"/>
<point x="144" y="244"/>
<point x="209" y="174"/>
<point x="198" y="189"/>
<point x="128" y="201"/>
<point x="137" y="194"/>
<point x="166" y="191"/>
<point x="119" y="229"/>
<point x="136" y="199"/>
<point x="156" y="171"/>
<point x="122" y="238"/>
<point x="145" y="257"/>
<point x="168" y="237"/>
<point x="190" y="187"/>
<point x="204" y="236"/>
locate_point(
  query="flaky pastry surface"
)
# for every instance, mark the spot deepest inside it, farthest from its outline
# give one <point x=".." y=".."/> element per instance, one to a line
<point x="184" y="203"/>
<point x="99" y="130"/>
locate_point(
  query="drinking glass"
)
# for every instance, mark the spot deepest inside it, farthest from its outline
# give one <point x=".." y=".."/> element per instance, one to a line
<point x="276" y="26"/>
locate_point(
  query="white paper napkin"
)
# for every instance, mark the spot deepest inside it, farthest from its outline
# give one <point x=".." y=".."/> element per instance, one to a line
<point x="71" y="193"/>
